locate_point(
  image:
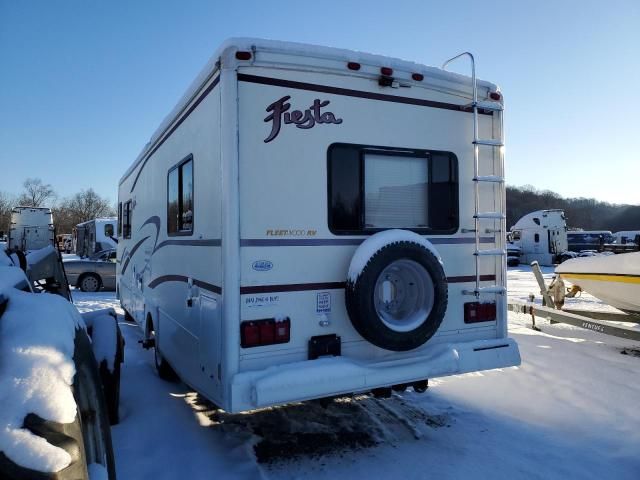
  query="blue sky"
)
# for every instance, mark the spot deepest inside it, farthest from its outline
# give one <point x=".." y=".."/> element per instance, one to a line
<point x="83" y="84"/>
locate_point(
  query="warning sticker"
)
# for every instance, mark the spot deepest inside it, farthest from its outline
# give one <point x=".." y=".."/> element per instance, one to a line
<point x="323" y="303"/>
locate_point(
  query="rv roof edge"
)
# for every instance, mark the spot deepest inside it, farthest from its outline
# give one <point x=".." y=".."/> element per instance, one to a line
<point x="304" y="50"/>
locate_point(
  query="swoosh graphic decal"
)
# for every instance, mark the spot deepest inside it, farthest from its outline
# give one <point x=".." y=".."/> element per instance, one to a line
<point x="155" y="220"/>
<point x="210" y="242"/>
<point x="133" y="250"/>
<point x="181" y="278"/>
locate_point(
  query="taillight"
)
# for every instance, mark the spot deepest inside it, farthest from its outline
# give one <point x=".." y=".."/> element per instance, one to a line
<point x="479" y="312"/>
<point x="386" y="71"/>
<point x="495" y="96"/>
<point x="240" y="55"/>
<point x="257" y="333"/>
<point x="353" y="66"/>
<point x="418" y="77"/>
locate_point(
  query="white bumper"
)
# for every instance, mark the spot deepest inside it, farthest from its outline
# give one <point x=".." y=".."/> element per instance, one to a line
<point x="338" y="375"/>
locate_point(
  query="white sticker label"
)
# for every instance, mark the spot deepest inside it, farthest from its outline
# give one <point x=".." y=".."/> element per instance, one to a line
<point x="323" y="303"/>
<point x="262" y="301"/>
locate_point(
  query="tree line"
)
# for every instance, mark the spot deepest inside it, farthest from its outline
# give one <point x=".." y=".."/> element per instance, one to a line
<point x="585" y="213"/>
<point x="67" y="212"/>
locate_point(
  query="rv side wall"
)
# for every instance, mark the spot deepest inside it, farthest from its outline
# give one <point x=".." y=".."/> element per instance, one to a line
<point x="169" y="254"/>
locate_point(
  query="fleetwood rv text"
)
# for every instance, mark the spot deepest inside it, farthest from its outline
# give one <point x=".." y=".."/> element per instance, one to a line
<point x="301" y="227"/>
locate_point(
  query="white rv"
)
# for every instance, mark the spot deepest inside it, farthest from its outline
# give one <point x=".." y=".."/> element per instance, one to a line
<point x="541" y="236"/>
<point x="309" y="222"/>
<point x="626" y="236"/>
<point x="31" y="228"/>
<point x="95" y="236"/>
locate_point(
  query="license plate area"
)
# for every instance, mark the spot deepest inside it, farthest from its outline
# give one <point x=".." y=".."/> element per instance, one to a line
<point x="325" y="345"/>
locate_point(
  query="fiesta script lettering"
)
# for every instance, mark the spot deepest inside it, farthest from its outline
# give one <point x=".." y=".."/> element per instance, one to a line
<point x="308" y="119"/>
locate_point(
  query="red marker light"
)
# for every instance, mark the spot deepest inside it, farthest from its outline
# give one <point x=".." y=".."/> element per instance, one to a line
<point x="243" y="55"/>
<point x="495" y="96"/>
<point x="418" y="77"/>
<point x="353" y="66"/>
<point x="386" y="71"/>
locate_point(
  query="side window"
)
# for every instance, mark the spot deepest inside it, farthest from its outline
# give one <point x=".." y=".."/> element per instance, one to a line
<point x="126" y="220"/>
<point x="375" y="188"/>
<point x="108" y="230"/>
<point x="120" y="219"/>
<point x="180" y="198"/>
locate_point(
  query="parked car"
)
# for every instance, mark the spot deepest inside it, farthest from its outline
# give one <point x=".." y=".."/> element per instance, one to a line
<point x="93" y="273"/>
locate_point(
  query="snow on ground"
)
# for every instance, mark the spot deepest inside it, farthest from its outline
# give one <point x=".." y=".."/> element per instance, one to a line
<point x="569" y="411"/>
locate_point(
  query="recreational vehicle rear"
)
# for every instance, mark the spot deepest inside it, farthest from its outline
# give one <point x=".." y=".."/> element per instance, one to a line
<point x="31" y="228"/>
<point x="95" y="236"/>
<point x="541" y="236"/>
<point x="309" y="222"/>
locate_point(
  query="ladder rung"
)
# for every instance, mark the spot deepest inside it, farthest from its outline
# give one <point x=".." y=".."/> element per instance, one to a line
<point x="491" y="289"/>
<point x="489" y="178"/>
<point x="495" y="252"/>
<point x="486" y="105"/>
<point x="494" y="215"/>
<point x="489" y="142"/>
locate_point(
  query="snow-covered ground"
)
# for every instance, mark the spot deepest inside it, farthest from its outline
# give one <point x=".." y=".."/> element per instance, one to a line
<point x="571" y="410"/>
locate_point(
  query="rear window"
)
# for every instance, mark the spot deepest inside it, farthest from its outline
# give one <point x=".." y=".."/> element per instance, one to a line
<point x="374" y="188"/>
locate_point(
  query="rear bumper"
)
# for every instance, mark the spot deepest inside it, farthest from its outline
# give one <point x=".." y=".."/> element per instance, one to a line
<point x="338" y="375"/>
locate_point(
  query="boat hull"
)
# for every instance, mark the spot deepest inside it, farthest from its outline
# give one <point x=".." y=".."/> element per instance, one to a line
<point x="614" y="279"/>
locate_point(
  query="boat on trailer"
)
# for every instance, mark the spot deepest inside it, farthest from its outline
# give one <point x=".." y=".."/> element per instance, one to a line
<point x="614" y="279"/>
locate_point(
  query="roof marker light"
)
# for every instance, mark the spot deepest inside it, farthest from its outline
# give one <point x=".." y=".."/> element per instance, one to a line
<point x="243" y="55"/>
<point x="353" y="66"/>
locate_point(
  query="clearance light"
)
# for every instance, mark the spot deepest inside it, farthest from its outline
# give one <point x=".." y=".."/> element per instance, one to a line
<point x="475" y="312"/>
<point x="353" y="66"/>
<point x="386" y="71"/>
<point x="243" y="55"/>
<point x="495" y="96"/>
<point x="257" y="333"/>
<point x="418" y="77"/>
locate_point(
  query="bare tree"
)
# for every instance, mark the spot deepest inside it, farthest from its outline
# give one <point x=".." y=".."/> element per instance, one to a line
<point x="83" y="206"/>
<point x="7" y="202"/>
<point x="36" y="193"/>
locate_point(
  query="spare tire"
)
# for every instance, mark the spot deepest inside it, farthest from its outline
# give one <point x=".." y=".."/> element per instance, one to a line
<point x="397" y="297"/>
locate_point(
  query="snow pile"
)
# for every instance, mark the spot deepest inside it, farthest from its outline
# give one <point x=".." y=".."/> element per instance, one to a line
<point x="36" y="373"/>
<point x="371" y="245"/>
<point x="104" y="338"/>
<point x="35" y="256"/>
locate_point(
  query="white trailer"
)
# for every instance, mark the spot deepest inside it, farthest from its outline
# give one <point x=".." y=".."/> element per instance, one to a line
<point x="310" y="222"/>
<point x="31" y="229"/>
<point x="541" y="236"/>
<point x="95" y="236"/>
<point x="626" y="236"/>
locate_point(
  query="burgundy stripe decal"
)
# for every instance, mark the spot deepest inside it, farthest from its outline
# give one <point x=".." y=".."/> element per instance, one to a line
<point x="181" y="278"/>
<point x="173" y="129"/>
<point x="279" y="82"/>
<point x="302" y="287"/>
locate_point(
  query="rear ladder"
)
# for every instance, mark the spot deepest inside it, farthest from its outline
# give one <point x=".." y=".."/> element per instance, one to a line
<point x="498" y="179"/>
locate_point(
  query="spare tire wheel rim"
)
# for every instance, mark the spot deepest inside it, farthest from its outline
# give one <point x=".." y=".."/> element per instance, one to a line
<point x="403" y="295"/>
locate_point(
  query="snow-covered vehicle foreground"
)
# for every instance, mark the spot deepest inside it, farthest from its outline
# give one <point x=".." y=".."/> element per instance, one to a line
<point x="59" y="384"/>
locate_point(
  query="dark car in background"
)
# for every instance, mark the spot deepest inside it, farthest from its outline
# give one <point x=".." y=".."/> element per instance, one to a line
<point x="93" y="273"/>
